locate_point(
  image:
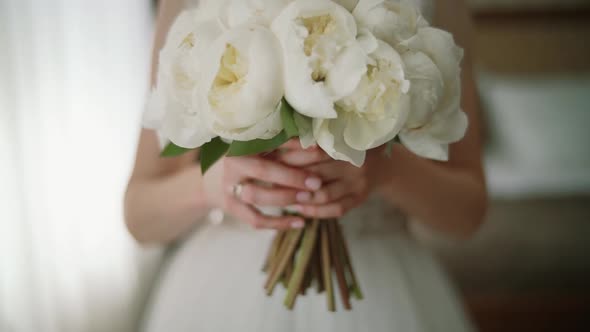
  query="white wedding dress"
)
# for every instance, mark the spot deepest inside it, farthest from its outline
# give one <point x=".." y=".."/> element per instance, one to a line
<point x="212" y="281"/>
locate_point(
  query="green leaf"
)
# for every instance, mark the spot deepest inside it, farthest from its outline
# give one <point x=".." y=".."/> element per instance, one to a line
<point x="288" y="120"/>
<point x="173" y="150"/>
<point x="239" y="148"/>
<point x="389" y="146"/>
<point x="304" y="125"/>
<point x="211" y="152"/>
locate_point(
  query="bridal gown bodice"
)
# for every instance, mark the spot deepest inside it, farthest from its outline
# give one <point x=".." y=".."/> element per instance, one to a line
<point x="212" y="280"/>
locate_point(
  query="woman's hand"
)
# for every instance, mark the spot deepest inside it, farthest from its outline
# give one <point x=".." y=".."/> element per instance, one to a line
<point x="237" y="184"/>
<point x="345" y="185"/>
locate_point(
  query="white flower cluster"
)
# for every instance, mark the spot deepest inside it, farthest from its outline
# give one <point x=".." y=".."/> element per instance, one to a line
<point x="358" y="73"/>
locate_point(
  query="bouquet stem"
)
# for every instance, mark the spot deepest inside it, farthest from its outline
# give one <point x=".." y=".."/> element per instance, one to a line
<point x="306" y="250"/>
<point x="300" y="258"/>
<point x="327" y="268"/>
<point x="274" y="250"/>
<point x="356" y="289"/>
<point x="338" y="267"/>
<point x="283" y="257"/>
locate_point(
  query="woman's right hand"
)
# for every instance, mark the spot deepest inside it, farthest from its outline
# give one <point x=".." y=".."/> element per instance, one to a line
<point x="262" y="182"/>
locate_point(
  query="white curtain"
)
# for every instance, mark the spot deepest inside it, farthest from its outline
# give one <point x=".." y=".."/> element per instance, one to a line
<point x="73" y="76"/>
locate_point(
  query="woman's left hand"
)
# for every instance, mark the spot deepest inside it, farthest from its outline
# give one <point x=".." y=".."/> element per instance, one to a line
<point x="346" y="186"/>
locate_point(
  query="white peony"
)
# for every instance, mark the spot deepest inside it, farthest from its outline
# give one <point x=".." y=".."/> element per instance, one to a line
<point x="372" y="115"/>
<point x="323" y="61"/>
<point x="170" y="109"/>
<point x="389" y="20"/>
<point x="241" y="84"/>
<point x="433" y="67"/>
<point x="226" y="66"/>
<point x="348" y="4"/>
<point x="237" y="12"/>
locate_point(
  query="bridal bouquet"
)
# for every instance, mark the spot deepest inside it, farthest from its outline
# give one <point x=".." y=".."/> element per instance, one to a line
<point x="241" y="77"/>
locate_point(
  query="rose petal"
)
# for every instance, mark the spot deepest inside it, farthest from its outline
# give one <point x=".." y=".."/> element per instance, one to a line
<point x="390" y="21"/>
<point x="237" y="12"/>
<point x="170" y="108"/>
<point x="425" y="146"/>
<point x="441" y="48"/>
<point x="367" y="41"/>
<point x="237" y="106"/>
<point x="427" y="87"/>
<point x="349" y="67"/>
<point x="336" y="57"/>
<point x="361" y="134"/>
<point x="329" y="135"/>
<point x="348" y="4"/>
<point x="267" y="128"/>
<point x="432" y="141"/>
<point x="184" y="128"/>
<point x="450" y="129"/>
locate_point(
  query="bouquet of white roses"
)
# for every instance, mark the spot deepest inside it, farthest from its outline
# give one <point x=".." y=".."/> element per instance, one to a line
<point x="241" y="77"/>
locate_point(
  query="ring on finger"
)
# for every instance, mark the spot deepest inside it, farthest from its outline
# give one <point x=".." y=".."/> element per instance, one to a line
<point x="237" y="190"/>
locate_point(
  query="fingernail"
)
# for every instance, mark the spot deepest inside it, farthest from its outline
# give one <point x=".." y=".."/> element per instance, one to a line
<point x="313" y="183"/>
<point x="303" y="196"/>
<point x="298" y="224"/>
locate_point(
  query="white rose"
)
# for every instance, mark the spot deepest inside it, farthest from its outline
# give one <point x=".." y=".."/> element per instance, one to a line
<point x="433" y="67"/>
<point x="263" y="12"/>
<point x="323" y="62"/>
<point x="242" y="84"/>
<point x="170" y="109"/>
<point x="390" y="21"/>
<point x="372" y="115"/>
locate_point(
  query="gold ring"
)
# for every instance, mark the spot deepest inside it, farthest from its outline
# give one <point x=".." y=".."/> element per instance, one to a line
<point x="237" y="190"/>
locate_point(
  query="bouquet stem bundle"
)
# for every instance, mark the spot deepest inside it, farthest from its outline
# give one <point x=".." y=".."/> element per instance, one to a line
<point x="313" y="255"/>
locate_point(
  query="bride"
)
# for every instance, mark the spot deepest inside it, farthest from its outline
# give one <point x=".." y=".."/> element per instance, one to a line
<point x="212" y="281"/>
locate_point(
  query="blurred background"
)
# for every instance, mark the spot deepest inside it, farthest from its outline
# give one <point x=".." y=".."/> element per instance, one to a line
<point x="528" y="269"/>
<point x="73" y="78"/>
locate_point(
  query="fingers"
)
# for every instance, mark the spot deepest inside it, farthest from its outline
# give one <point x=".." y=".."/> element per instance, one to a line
<point x="332" y="192"/>
<point x="332" y="210"/>
<point x="265" y="182"/>
<point x="326" y="189"/>
<point x="256" y="194"/>
<point x="294" y="144"/>
<point x="303" y="158"/>
<point x="257" y="220"/>
<point x="275" y="173"/>
<point x="333" y="170"/>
